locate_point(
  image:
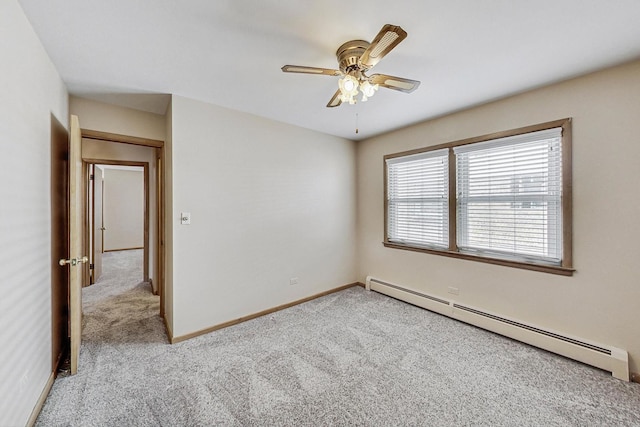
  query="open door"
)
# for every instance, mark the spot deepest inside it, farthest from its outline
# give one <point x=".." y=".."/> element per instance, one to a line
<point x="76" y="264"/>
<point x="59" y="242"/>
<point x="75" y="241"/>
<point x="98" y="223"/>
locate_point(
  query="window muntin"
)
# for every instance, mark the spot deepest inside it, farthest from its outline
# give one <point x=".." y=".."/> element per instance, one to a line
<point x="418" y="199"/>
<point x="509" y="197"/>
<point x="537" y="192"/>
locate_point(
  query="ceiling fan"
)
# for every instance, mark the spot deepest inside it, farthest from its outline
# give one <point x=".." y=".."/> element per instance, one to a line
<point x="355" y="58"/>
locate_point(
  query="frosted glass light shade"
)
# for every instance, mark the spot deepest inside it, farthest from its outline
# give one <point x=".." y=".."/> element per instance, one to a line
<point x="368" y="90"/>
<point x="348" y="89"/>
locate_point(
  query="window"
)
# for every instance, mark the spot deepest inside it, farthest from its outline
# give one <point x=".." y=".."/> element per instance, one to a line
<point x="503" y="198"/>
<point x="418" y="202"/>
<point x="509" y="197"/>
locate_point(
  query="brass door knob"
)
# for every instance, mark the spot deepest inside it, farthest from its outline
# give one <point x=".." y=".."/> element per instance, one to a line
<point x="73" y="261"/>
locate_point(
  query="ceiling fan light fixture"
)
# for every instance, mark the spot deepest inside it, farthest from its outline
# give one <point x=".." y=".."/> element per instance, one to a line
<point x="368" y="90"/>
<point x="348" y="88"/>
<point x="349" y="84"/>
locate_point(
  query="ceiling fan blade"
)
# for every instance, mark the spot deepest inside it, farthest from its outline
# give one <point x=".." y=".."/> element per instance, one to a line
<point x="388" y="38"/>
<point x="335" y="100"/>
<point x="396" y="83"/>
<point x="310" y="70"/>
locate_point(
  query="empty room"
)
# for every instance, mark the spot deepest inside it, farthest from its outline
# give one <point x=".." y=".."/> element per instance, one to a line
<point x="346" y="213"/>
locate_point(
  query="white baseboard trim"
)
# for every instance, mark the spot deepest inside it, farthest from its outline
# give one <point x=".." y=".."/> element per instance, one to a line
<point x="606" y="357"/>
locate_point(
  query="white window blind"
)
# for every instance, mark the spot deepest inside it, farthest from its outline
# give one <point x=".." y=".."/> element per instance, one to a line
<point x="418" y="199"/>
<point x="509" y="197"/>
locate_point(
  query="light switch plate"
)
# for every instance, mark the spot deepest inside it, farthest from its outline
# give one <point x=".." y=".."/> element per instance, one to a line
<point x="185" y="218"/>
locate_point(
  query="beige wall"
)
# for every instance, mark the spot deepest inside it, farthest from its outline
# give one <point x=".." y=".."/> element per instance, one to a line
<point x="103" y="117"/>
<point x="268" y="202"/>
<point x="123" y="209"/>
<point x="599" y="302"/>
<point x="32" y="91"/>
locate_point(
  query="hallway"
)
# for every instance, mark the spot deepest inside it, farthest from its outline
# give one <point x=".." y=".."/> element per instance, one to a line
<point x="120" y="316"/>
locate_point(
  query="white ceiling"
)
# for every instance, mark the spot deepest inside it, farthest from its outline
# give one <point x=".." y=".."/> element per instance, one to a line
<point x="229" y="52"/>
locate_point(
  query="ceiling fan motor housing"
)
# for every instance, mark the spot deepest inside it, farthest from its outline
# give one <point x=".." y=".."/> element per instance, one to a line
<point x="349" y="54"/>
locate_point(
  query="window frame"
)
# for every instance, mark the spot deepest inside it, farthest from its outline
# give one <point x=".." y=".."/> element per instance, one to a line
<point x="566" y="266"/>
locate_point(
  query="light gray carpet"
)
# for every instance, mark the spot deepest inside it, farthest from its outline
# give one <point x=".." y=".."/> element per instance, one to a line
<point x="351" y="358"/>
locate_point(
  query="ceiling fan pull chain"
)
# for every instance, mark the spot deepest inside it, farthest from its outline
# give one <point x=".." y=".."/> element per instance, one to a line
<point x="356" y="122"/>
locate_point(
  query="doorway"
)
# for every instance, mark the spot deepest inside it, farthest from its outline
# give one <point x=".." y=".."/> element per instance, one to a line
<point x="118" y="212"/>
<point x="69" y="199"/>
<point x="109" y="148"/>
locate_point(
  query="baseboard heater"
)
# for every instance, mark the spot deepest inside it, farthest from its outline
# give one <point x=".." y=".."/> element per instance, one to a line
<point x="612" y="359"/>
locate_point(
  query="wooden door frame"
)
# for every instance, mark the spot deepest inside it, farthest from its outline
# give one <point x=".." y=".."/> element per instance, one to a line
<point x="91" y="212"/>
<point x="145" y="166"/>
<point x="160" y="195"/>
<point x="160" y="185"/>
<point x="86" y="274"/>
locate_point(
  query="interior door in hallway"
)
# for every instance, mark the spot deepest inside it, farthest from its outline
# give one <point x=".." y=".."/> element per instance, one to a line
<point x="98" y="223"/>
<point x="76" y="265"/>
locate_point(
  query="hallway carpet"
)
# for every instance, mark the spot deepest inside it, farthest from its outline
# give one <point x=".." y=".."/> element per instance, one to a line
<point x="350" y="358"/>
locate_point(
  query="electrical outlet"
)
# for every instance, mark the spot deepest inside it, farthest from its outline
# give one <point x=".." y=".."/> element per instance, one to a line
<point x="454" y="291"/>
<point x="293" y="281"/>
<point x="185" y="218"/>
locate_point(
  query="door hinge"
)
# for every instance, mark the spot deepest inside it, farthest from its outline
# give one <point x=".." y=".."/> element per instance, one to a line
<point x="91" y="177"/>
<point x="90" y="266"/>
